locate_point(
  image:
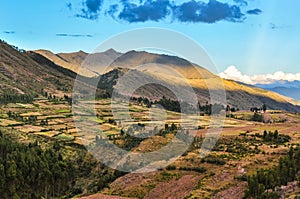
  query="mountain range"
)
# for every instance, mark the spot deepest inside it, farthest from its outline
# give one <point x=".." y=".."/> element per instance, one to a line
<point x="284" y="87"/>
<point x="32" y="71"/>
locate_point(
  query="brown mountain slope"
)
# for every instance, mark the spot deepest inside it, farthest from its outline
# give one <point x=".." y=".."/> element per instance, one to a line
<point x="172" y="70"/>
<point x="70" y="61"/>
<point x="161" y="64"/>
<point x="237" y="95"/>
<point x="73" y="61"/>
<point x="21" y="73"/>
<point x="29" y="73"/>
<point x="73" y="58"/>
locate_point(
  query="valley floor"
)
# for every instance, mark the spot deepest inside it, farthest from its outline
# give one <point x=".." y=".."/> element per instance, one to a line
<point x="241" y="150"/>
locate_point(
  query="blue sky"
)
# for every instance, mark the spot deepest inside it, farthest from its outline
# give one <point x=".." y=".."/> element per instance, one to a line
<point x="256" y="36"/>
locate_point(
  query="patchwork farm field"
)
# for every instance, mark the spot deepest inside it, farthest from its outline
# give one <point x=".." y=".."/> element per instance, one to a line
<point x="242" y="149"/>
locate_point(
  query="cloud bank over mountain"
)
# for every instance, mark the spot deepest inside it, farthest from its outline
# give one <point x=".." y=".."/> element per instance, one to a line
<point x="234" y="74"/>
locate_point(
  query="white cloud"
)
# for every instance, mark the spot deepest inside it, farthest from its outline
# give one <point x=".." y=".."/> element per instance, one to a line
<point x="233" y="73"/>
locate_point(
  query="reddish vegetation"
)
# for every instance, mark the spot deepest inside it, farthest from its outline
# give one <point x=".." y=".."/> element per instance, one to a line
<point x="102" y="196"/>
<point x="236" y="192"/>
<point x="132" y="179"/>
<point x="174" y="189"/>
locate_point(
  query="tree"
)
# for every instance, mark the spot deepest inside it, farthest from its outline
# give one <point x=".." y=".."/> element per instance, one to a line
<point x="257" y="117"/>
<point x="259" y="184"/>
<point x="276" y="134"/>
<point x="122" y="132"/>
<point x="264" y="107"/>
<point x="228" y="108"/>
<point x="166" y="127"/>
<point x="2" y="178"/>
<point x="233" y="109"/>
<point x="265" y="134"/>
<point x="173" y="127"/>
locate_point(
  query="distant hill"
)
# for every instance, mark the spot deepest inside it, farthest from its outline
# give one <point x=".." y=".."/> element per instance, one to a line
<point x="73" y="61"/>
<point x="287" y="88"/>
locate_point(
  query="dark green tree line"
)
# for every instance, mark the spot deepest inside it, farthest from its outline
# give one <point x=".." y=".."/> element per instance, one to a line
<point x="268" y="179"/>
<point x="15" y="98"/>
<point x="27" y="171"/>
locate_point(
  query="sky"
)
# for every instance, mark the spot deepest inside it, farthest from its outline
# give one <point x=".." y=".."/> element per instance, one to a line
<point x="253" y="36"/>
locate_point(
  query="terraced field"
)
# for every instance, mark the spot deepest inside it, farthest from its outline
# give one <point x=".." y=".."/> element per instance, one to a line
<point x="240" y="150"/>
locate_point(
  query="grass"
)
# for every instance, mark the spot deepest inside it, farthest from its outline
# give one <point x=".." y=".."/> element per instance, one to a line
<point x="24" y="105"/>
<point x="64" y="137"/>
<point x="100" y="121"/>
<point x="63" y="111"/>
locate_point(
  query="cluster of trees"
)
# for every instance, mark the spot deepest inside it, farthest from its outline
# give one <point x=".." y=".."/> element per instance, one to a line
<point x="256" y="109"/>
<point x="196" y="169"/>
<point x="15" y="98"/>
<point x="231" y="109"/>
<point x="206" y="109"/>
<point x="18" y="49"/>
<point x="237" y="146"/>
<point x="112" y="121"/>
<point x="169" y="104"/>
<point x="143" y="100"/>
<point x="54" y="98"/>
<point x="197" y="143"/>
<point x="128" y="141"/>
<point x="104" y="94"/>
<point x="174" y="105"/>
<point x="257" y="117"/>
<point x="31" y="119"/>
<point x="68" y="99"/>
<point x="263" y="184"/>
<point x="16" y="116"/>
<point x="28" y="171"/>
<point x="44" y="122"/>
<point x="275" y="137"/>
<point x="34" y="171"/>
<point x="269" y="137"/>
<point x="181" y="134"/>
<point x="212" y="159"/>
<point x="172" y="129"/>
<point x="13" y="46"/>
